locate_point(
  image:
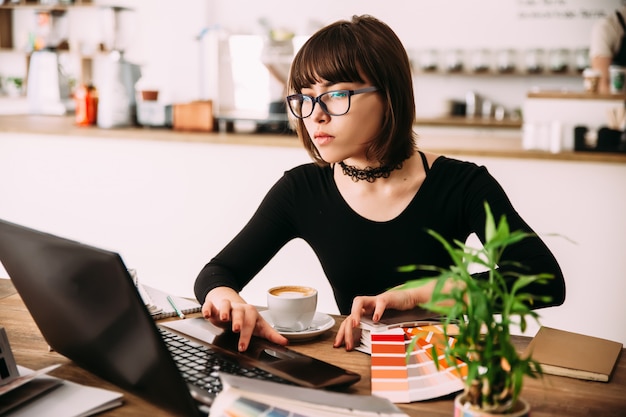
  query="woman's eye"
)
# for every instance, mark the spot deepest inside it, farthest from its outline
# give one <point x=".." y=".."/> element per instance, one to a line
<point x="337" y="94"/>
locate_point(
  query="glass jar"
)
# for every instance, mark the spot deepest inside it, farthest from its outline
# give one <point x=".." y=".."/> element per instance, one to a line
<point x="581" y="59"/>
<point x="481" y="60"/>
<point x="454" y="60"/>
<point x="534" y="61"/>
<point x="559" y="60"/>
<point x="506" y="61"/>
<point x="428" y="60"/>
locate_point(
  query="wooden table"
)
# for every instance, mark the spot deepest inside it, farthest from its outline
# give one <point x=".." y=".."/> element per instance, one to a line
<point x="550" y="396"/>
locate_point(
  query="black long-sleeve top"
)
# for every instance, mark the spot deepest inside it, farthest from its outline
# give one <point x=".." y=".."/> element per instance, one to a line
<point x="361" y="256"/>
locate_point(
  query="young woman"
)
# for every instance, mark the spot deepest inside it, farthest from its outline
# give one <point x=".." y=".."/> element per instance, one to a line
<point x="366" y="202"/>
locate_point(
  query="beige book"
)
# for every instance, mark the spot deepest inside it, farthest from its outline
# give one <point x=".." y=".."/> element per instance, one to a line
<point x="574" y="355"/>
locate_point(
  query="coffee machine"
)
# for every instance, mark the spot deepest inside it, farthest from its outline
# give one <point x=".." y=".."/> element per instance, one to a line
<point x="117" y="106"/>
<point x="48" y="87"/>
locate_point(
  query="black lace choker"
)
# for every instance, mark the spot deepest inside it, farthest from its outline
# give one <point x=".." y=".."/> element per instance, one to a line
<point x="368" y="174"/>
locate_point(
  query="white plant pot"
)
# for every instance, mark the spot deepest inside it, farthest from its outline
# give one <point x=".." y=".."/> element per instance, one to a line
<point x="462" y="409"/>
<point x="13" y="90"/>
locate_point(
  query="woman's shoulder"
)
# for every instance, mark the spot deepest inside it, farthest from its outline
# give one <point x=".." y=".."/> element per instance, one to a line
<point x="307" y="177"/>
<point x="454" y="172"/>
<point x="307" y="180"/>
<point x="442" y="162"/>
<point x="308" y="170"/>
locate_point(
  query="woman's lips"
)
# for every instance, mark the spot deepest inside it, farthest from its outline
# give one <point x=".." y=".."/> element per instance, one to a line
<point x="323" y="138"/>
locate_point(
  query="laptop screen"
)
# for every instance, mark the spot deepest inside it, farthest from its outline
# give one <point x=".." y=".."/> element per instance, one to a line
<point x="88" y="309"/>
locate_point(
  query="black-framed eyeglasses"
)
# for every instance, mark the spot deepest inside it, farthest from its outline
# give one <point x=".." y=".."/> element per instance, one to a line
<point x="333" y="103"/>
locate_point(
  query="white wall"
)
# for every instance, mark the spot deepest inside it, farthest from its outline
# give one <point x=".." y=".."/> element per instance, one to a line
<point x="435" y="24"/>
<point x="167" y="208"/>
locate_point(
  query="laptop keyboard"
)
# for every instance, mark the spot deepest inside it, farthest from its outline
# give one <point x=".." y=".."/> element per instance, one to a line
<point x="200" y="365"/>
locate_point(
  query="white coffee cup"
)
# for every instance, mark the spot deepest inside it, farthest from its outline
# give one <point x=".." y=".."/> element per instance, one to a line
<point x="591" y="80"/>
<point x="291" y="307"/>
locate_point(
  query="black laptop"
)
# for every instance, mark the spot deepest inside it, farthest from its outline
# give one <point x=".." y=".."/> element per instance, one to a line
<point x="88" y="309"/>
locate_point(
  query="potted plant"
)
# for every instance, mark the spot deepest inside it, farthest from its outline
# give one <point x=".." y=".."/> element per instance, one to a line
<point x="483" y="312"/>
<point x="14" y="86"/>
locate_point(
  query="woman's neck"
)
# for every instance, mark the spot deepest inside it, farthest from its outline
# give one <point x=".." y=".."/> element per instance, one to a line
<point x="369" y="174"/>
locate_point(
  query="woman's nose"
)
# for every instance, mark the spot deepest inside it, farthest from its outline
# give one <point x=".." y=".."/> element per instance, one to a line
<point x="319" y="115"/>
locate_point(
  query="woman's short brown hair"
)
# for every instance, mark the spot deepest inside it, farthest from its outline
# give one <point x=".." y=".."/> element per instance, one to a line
<point x="349" y="51"/>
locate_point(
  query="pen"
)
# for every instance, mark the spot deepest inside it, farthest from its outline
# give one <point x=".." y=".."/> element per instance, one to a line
<point x="171" y="301"/>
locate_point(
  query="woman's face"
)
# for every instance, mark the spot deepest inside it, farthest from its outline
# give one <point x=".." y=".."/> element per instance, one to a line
<point x="345" y="137"/>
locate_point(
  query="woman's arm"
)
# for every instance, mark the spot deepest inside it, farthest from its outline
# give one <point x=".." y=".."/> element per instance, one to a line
<point x="219" y="282"/>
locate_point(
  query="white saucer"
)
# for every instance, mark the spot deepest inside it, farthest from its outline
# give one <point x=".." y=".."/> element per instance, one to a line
<point x="321" y="323"/>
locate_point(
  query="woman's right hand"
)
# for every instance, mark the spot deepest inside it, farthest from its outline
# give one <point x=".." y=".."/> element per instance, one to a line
<point x="225" y="308"/>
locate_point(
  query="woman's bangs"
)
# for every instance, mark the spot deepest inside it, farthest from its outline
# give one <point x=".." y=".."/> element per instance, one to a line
<point x="325" y="59"/>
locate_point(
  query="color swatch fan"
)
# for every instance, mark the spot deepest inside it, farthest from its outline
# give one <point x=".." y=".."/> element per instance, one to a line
<point x="418" y="378"/>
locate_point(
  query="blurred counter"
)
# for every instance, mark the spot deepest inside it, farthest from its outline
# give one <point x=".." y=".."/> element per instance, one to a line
<point x="488" y="142"/>
<point x="552" y="117"/>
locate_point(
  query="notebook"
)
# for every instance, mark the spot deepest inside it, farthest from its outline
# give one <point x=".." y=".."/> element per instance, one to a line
<point x="88" y="309"/>
<point x="160" y="307"/>
<point x="574" y="355"/>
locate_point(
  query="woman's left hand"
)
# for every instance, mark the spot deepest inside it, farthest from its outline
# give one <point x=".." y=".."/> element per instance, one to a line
<point x="374" y="306"/>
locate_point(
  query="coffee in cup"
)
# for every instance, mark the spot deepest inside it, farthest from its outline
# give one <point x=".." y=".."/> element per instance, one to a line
<point x="292" y="307"/>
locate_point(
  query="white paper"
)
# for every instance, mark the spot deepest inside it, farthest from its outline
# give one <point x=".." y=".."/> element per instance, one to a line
<point x="68" y="400"/>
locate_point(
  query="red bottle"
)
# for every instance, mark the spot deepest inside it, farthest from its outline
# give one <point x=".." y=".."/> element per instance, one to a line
<point x="86" y="98"/>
